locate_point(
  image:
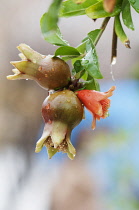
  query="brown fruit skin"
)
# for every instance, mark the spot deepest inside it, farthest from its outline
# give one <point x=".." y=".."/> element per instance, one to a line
<point x="63" y="106"/>
<point x="49" y="72"/>
<point x="53" y="73"/>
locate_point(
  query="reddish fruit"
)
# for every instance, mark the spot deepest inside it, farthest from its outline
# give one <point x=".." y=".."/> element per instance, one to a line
<point x="96" y="102"/>
<point x="62" y="111"/>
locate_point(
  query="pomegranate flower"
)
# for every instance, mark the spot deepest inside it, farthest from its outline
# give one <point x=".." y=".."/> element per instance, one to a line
<point x="96" y="102"/>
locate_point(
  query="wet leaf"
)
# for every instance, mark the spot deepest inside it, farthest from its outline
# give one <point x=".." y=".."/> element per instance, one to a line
<point x="90" y="61"/>
<point x="67" y="50"/>
<point x="92" y="35"/>
<point x="120" y="32"/>
<point x="69" y="8"/>
<point x="85" y="75"/>
<point x="49" y="28"/>
<point x="82" y="47"/>
<point x="79" y="1"/>
<point x="78" y="66"/>
<point x="135" y="4"/>
<point x="97" y="11"/>
<point x="126" y="14"/>
<point x="92" y="85"/>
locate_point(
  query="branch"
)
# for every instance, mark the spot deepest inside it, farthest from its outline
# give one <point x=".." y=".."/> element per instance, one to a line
<point x="103" y="26"/>
<point x="114" y="47"/>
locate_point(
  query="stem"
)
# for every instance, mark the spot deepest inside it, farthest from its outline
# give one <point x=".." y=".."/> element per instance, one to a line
<point x="103" y="26"/>
<point x="114" y="47"/>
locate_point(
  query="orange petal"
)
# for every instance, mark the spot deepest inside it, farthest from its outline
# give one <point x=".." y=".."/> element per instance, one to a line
<point x="105" y="104"/>
<point x="94" y="122"/>
<point x="110" y="91"/>
<point x="95" y="107"/>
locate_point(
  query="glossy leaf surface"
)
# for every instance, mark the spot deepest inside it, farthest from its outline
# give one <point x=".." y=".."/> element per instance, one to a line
<point x="49" y="28"/>
<point x="126" y="15"/>
<point x="78" y="1"/>
<point x="67" y="50"/>
<point x="97" y="11"/>
<point x="120" y="32"/>
<point x="90" y="61"/>
<point x="69" y="8"/>
<point x="92" y="85"/>
<point x="135" y="4"/>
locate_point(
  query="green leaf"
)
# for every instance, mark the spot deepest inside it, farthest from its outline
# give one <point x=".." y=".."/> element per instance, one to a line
<point x="85" y="75"/>
<point x="78" y="66"/>
<point x="92" y="35"/>
<point x="135" y="4"/>
<point x="79" y="1"/>
<point x="97" y="11"/>
<point x="69" y="8"/>
<point x="90" y="61"/>
<point x="126" y="15"/>
<point x="51" y="18"/>
<point x="49" y="26"/>
<point x="82" y="47"/>
<point x="92" y="85"/>
<point x="78" y="70"/>
<point x="120" y="32"/>
<point x="67" y="50"/>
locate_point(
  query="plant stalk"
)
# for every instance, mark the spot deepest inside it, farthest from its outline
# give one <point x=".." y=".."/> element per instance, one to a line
<point x="114" y="47"/>
<point x="103" y="26"/>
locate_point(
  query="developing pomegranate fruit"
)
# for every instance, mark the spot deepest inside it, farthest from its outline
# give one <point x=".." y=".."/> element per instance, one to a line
<point x="61" y="111"/>
<point x="48" y="71"/>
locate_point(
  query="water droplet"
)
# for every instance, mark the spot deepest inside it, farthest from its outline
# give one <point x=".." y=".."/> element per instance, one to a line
<point x="86" y="61"/>
<point x="47" y="106"/>
<point x="111" y="72"/>
<point x="50" y="121"/>
<point x="82" y="94"/>
<point x="113" y="62"/>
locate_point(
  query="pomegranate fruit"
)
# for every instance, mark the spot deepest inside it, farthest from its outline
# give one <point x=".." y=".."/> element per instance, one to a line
<point x="48" y="71"/>
<point x="61" y="111"/>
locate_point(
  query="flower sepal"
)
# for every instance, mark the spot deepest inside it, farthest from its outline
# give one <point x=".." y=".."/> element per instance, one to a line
<point x="49" y="72"/>
<point x="56" y="138"/>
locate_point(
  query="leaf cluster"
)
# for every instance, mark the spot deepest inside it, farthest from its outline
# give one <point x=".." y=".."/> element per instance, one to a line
<point x="84" y="57"/>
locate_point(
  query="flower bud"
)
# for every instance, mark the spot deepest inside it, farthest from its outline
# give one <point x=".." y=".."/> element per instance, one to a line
<point x="48" y="71"/>
<point x="62" y="111"/>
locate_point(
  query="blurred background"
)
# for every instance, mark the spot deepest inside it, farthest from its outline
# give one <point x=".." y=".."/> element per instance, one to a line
<point x="105" y="172"/>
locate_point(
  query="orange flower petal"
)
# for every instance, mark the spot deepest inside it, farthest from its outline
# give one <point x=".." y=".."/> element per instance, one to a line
<point x="94" y="122"/>
<point x="96" y="102"/>
<point x="95" y="107"/>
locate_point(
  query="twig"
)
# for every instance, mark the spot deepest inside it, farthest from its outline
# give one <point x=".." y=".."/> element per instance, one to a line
<point x="114" y="47"/>
<point x="103" y="26"/>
